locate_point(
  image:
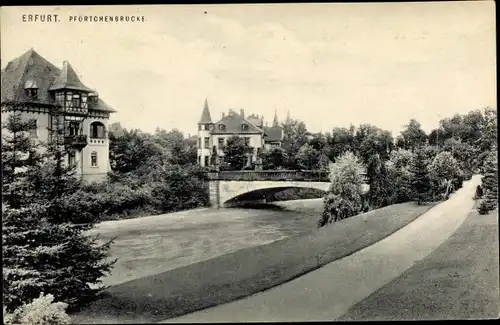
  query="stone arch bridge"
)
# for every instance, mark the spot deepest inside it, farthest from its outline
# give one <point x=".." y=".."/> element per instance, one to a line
<point x="228" y="188"/>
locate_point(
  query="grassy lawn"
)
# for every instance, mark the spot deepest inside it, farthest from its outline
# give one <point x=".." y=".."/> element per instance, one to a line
<point x="457" y="281"/>
<point x="243" y="272"/>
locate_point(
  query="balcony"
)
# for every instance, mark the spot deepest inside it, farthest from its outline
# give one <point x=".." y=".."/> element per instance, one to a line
<point x="77" y="142"/>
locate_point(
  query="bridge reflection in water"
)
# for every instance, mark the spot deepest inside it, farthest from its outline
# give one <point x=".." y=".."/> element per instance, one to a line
<point x="232" y="187"/>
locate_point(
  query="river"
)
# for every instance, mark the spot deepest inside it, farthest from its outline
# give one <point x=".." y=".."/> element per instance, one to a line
<point x="150" y="245"/>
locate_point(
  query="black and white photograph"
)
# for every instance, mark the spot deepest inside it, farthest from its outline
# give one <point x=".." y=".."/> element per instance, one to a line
<point x="219" y="163"/>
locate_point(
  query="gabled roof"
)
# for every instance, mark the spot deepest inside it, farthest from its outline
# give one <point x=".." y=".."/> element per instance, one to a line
<point x="273" y="134"/>
<point x="205" y="115"/>
<point x="68" y="79"/>
<point x="232" y="123"/>
<point x="32" y="70"/>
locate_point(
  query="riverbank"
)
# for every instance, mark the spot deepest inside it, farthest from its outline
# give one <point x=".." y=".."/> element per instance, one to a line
<point x="243" y="272"/>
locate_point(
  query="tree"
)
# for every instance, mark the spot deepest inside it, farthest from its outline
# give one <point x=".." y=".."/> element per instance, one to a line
<point x="307" y="157"/>
<point x="20" y="161"/>
<point x="294" y="136"/>
<point x="130" y="150"/>
<point x="490" y="183"/>
<point x="176" y="148"/>
<point x="275" y="158"/>
<point x="412" y="136"/>
<point x="235" y="153"/>
<point x="399" y="176"/>
<point x="43" y="249"/>
<point x="378" y="182"/>
<point x="378" y="142"/>
<point x="344" y="198"/>
<point x="421" y="182"/>
<point x="339" y="141"/>
<point x="444" y="172"/>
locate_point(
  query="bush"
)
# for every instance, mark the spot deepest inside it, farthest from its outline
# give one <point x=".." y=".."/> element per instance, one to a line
<point x="344" y="199"/>
<point x="484" y="207"/>
<point x="41" y="311"/>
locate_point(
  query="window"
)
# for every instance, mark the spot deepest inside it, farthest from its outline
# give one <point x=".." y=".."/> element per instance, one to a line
<point x="93" y="159"/>
<point x="97" y="130"/>
<point x="84" y="101"/>
<point x="71" y="159"/>
<point x="33" y="129"/>
<point x="32" y="93"/>
<point x="92" y="98"/>
<point x="221" y="142"/>
<point x="60" y="98"/>
<point x="31" y="89"/>
<point x="247" y="141"/>
<point x="244" y="127"/>
<point x="206" y="160"/>
<point x="76" y="101"/>
<point x="207" y="143"/>
<point x="73" y="128"/>
<point x="69" y="98"/>
<point x="199" y="144"/>
<point x="222" y="127"/>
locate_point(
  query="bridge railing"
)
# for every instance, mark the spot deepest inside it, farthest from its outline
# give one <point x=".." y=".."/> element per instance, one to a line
<point x="271" y="175"/>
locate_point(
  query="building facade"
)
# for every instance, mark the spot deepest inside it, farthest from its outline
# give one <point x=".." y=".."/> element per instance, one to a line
<point x="34" y="88"/>
<point x="212" y="136"/>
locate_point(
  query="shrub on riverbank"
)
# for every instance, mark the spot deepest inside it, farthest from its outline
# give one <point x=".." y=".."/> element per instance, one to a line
<point x="169" y="190"/>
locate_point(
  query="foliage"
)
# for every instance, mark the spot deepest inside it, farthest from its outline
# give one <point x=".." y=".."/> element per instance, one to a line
<point x="274" y="158"/>
<point x="339" y="141"/>
<point x="345" y="195"/>
<point x="20" y="161"/>
<point x="412" y="137"/>
<point x="377" y="142"/>
<point x="128" y="150"/>
<point x="421" y="181"/>
<point x="235" y="153"/>
<point x="41" y="311"/>
<point x="307" y="157"/>
<point x="490" y="183"/>
<point x="378" y="181"/>
<point x="399" y="176"/>
<point x="444" y="171"/>
<point x="294" y="137"/>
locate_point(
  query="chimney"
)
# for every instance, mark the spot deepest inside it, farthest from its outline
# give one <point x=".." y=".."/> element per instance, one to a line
<point x="223" y="114"/>
<point x="242" y="112"/>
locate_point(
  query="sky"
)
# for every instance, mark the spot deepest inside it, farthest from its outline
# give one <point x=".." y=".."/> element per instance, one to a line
<point x="330" y="65"/>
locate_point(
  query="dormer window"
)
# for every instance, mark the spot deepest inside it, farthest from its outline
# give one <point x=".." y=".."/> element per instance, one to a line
<point x="222" y="127"/>
<point x="244" y="127"/>
<point x="92" y="97"/>
<point x="31" y="89"/>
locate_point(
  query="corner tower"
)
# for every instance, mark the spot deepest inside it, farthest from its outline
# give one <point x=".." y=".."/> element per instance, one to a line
<point x="205" y="127"/>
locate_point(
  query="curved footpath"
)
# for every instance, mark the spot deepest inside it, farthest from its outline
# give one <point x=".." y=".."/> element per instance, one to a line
<point x="330" y="292"/>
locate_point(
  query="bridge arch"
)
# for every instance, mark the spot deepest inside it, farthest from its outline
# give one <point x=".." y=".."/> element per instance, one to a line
<point x="232" y="192"/>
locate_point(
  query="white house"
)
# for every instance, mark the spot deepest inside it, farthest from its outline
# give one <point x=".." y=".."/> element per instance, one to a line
<point x="214" y="135"/>
<point x="38" y="85"/>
